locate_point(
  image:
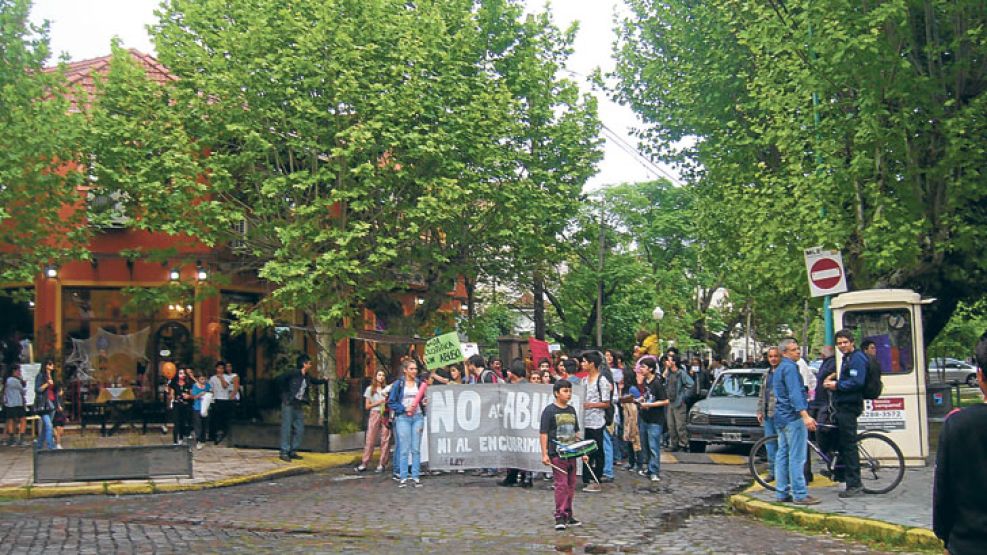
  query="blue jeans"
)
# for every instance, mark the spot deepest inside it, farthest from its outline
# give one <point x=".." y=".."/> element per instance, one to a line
<point x="607" y="454"/>
<point x="790" y="460"/>
<point x="645" y="444"/>
<point x="619" y="445"/>
<point x="653" y="433"/>
<point x="409" y="430"/>
<point x="292" y="427"/>
<point x="771" y="446"/>
<point x="46" y="436"/>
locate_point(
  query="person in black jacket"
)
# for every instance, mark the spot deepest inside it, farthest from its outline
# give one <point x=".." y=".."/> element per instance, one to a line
<point x="294" y="397"/>
<point x="959" y="490"/>
<point x="45" y="401"/>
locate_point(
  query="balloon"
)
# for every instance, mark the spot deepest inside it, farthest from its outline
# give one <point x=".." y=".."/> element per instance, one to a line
<point x="168" y="370"/>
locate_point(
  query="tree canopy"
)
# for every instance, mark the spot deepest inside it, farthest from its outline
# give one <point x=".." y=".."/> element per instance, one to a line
<point x="38" y="140"/>
<point x="855" y="125"/>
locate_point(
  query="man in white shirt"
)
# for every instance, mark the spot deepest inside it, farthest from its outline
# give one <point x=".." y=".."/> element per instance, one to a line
<point x="221" y="387"/>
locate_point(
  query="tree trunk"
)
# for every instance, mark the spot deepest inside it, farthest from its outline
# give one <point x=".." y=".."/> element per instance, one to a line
<point x="326" y="365"/>
<point x="539" y="306"/>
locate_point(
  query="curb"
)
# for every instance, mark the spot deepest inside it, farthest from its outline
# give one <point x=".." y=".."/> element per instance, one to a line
<point x="310" y="463"/>
<point x="857" y="527"/>
<point x="703" y="458"/>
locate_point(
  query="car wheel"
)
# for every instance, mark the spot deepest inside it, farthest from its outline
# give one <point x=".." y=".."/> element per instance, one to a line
<point x="697" y="446"/>
<point x="971" y="381"/>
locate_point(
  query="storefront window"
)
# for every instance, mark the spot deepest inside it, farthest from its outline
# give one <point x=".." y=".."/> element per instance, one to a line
<point x="110" y="345"/>
<point x="891" y="331"/>
<point x="17" y="327"/>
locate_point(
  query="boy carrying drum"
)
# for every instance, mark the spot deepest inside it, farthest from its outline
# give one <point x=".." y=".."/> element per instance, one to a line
<point x="559" y="425"/>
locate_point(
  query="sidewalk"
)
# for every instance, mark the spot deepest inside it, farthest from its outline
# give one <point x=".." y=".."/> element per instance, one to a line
<point x="213" y="466"/>
<point x="901" y="517"/>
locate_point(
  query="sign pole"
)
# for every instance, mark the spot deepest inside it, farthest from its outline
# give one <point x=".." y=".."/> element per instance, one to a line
<point x="828" y="320"/>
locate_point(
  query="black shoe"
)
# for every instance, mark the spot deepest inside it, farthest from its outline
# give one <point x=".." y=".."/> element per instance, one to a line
<point x="285" y="458"/>
<point x="526" y="483"/>
<point x="295" y="456"/>
<point x="573" y="521"/>
<point x="559" y="523"/>
<point x="851" y="492"/>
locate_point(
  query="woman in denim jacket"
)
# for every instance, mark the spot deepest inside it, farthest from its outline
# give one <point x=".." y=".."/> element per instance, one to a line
<point x="409" y="421"/>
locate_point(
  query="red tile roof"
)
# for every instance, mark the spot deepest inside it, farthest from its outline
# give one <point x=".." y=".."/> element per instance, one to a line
<point x="79" y="75"/>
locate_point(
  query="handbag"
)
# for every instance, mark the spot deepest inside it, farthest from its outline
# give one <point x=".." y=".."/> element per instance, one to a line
<point x="205" y="404"/>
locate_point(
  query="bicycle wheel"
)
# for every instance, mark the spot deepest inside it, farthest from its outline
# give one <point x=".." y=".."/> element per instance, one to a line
<point x="882" y="466"/>
<point x="757" y="462"/>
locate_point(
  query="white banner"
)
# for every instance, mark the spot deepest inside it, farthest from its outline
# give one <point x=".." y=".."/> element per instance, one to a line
<point x="489" y="425"/>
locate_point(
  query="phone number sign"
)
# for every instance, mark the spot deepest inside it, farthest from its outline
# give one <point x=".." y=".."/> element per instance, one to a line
<point x="883" y="414"/>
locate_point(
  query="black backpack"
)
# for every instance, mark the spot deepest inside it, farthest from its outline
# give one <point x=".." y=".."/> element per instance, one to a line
<point x="607" y="412"/>
<point x="872" y="383"/>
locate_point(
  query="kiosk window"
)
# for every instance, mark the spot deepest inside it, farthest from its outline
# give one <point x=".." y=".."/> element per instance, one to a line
<point x="891" y="331"/>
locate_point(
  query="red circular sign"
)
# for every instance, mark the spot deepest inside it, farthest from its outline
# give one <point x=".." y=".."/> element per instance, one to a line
<point x="825" y="273"/>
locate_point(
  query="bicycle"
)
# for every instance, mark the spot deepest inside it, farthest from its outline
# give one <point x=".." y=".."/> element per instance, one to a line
<point x="882" y="466"/>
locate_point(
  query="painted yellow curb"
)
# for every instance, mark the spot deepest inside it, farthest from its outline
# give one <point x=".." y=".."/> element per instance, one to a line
<point x="861" y="528"/>
<point x="310" y="462"/>
<point x="923" y="537"/>
<point x="720" y="458"/>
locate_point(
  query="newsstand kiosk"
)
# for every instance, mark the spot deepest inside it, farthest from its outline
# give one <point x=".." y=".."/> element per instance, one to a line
<point x="892" y="319"/>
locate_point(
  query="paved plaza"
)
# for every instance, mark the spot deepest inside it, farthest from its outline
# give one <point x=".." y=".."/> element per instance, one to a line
<point x="340" y="511"/>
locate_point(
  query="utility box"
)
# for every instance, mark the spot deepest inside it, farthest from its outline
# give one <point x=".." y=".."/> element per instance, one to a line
<point x="892" y="318"/>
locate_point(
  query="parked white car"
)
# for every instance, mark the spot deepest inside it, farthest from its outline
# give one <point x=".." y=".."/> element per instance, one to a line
<point x="956" y="371"/>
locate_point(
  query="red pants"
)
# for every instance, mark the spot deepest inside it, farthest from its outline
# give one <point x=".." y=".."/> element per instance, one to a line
<point x="565" y="486"/>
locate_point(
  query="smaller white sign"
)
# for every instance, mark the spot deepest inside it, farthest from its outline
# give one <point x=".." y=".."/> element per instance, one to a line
<point x="469" y="349"/>
<point x="825" y="272"/>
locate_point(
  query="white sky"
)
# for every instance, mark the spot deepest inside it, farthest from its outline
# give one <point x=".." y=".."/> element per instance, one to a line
<point x="83" y="30"/>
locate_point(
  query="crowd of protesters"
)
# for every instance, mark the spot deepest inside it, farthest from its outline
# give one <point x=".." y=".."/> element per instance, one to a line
<point x="634" y="407"/>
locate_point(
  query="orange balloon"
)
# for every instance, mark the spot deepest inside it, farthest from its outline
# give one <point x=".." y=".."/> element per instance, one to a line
<point x="168" y="370"/>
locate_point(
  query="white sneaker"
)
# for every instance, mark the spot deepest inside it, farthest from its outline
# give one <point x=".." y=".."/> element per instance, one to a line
<point x="655" y="478"/>
<point x="198" y="445"/>
<point x="403" y="483"/>
<point x="418" y="483"/>
<point x="379" y="469"/>
<point x="58" y="446"/>
<point x="361" y="468"/>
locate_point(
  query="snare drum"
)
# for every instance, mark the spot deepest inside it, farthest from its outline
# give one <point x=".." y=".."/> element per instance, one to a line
<point x="578" y="449"/>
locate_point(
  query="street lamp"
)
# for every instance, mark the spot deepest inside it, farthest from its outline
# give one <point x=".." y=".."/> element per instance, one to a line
<point x="174" y="274"/>
<point x="658" y="314"/>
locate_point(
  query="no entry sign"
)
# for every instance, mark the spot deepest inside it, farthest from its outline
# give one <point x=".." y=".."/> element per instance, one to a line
<point x="825" y="271"/>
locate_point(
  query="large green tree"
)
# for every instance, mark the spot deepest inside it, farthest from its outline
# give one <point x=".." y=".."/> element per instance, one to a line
<point x="857" y="125"/>
<point x="38" y="176"/>
<point x="350" y="150"/>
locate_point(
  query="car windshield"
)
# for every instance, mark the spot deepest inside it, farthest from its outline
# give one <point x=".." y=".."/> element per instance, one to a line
<point x="738" y="385"/>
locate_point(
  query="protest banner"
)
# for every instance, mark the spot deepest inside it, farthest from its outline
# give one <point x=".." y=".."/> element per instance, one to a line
<point x="539" y="350"/>
<point x="489" y="425"/>
<point x="443" y="350"/>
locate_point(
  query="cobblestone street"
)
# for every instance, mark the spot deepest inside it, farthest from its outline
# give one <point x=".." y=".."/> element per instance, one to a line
<point x="339" y="511"/>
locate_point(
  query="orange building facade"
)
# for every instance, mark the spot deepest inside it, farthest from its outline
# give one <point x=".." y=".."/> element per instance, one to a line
<point x="91" y="316"/>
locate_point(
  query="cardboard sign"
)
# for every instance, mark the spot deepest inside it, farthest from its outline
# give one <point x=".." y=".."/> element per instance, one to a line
<point x="443" y="350"/>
